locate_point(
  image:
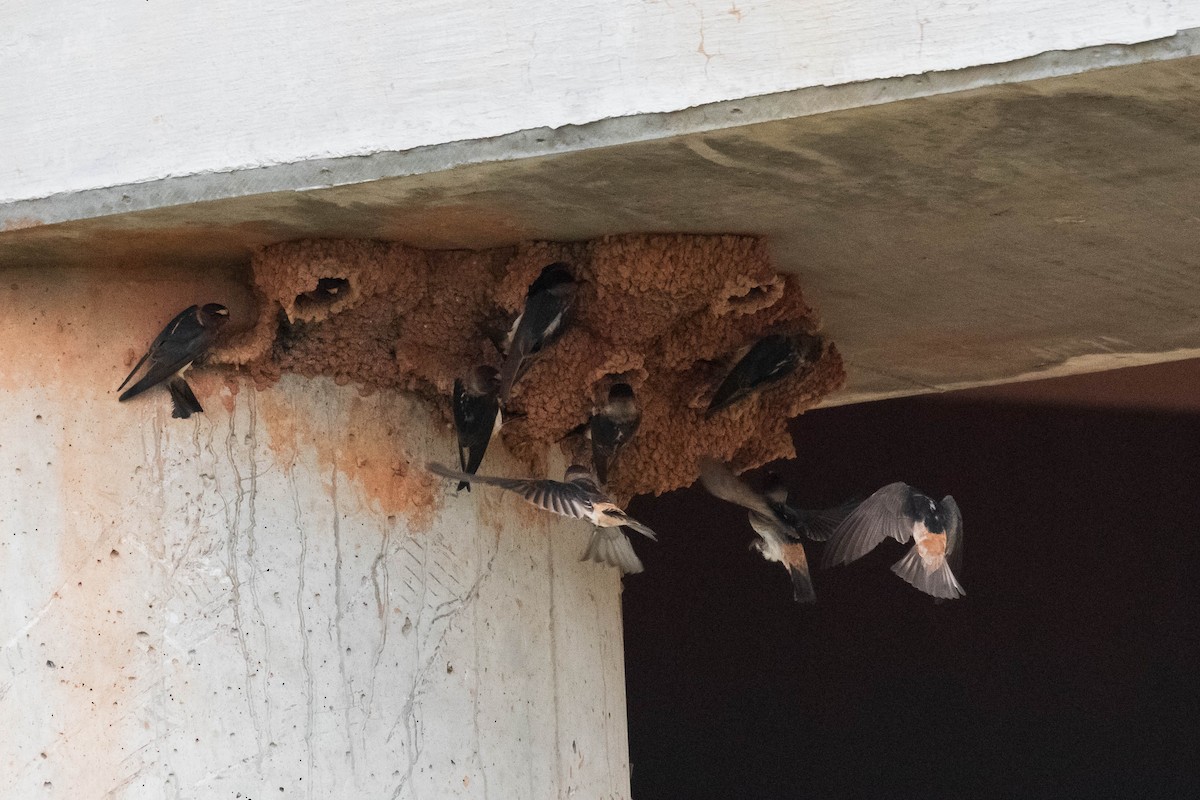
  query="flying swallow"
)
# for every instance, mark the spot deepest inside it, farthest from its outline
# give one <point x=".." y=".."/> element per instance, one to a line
<point x="577" y="496"/>
<point x="547" y="305"/>
<point x="476" y="417"/>
<point x="612" y="427"/>
<point x="780" y="527"/>
<point x="903" y="513"/>
<point x="185" y="339"/>
<point x="770" y="359"/>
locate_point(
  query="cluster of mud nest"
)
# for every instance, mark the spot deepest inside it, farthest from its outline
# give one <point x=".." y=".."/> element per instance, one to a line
<point x="664" y="313"/>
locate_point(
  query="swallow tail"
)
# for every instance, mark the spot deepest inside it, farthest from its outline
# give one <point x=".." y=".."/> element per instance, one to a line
<point x="936" y="579"/>
<point x="802" y="588"/>
<point x="610" y="546"/>
<point x="184" y="402"/>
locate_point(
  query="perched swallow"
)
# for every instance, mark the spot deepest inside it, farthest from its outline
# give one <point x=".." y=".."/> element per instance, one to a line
<point x="779" y="526"/>
<point x="547" y="306"/>
<point x="612" y="427"/>
<point x="326" y="292"/>
<point x="185" y="339"/>
<point x="770" y="359"/>
<point x="576" y="496"/>
<point x="476" y="417"/>
<point x="901" y="512"/>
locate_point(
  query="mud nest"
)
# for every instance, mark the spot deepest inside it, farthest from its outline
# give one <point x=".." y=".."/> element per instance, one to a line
<point x="665" y="313"/>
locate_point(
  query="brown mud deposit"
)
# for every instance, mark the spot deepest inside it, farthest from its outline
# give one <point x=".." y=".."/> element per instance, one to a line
<point x="666" y="313"/>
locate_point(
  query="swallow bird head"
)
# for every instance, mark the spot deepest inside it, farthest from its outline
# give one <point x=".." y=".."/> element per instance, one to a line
<point x="483" y="380"/>
<point x="214" y="315"/>
<point x="555" y="279"/>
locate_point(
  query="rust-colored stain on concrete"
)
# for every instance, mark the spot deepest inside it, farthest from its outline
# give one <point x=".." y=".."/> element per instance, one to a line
<point x="367" y="448"/>
<point x="667" y="313"/>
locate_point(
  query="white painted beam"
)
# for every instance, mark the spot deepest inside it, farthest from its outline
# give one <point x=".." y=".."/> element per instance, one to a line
<point x="108" y="94"/>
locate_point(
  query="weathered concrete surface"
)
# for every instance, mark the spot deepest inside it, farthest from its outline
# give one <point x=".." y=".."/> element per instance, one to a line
<point x="267" y="600"/>
<point x="99" y="96"/>
<point x="1049" y="227"/>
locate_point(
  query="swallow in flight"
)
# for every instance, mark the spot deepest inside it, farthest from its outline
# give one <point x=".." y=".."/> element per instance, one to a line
<point x="576" y="496"/>
<point x="903" y="513"/>
<point x="781" y="529"/>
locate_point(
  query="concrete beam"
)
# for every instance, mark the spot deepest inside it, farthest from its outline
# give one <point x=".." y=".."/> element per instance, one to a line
<point x="955" y="240"/>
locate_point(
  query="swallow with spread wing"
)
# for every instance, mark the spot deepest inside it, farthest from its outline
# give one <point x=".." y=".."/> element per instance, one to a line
<point x="903" y="513"/>
<point x="577" y="496"/>
<point x="185" y="339"/>
<point x="476" y="417"/>
<point x="544" y="318"/>
<point x="781" y="528"/>
<point x="768" y="360"/>
<point x="612" y="427"/>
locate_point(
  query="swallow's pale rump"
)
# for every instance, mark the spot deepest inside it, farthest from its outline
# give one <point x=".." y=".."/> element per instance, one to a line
<point x="780" y="527"/>
<point x="576" y="496"/>
<point x="902" y="513"/>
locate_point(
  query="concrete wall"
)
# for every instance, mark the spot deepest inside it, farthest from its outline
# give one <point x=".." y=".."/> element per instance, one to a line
<point x="102" y="94"/>
<point x="266" y="601"/>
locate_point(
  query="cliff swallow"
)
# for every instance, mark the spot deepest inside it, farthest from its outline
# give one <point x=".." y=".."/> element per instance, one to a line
<point x="770" y="359"/>
<point x="577" y="496"/>
<point x="779" y="526"/>
<point x="612" y="427"/>
<point x="185" y="339"/>
<point x="547" y="306"/>
<point x="476" y="417"/>
<point x="903" y="513"/>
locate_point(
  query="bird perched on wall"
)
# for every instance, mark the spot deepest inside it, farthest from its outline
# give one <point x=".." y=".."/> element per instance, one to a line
<point x="186" y="339"/>
<point x="903" y="513"/>
<point x="781" y="529"/>
<point x="768" y="360"/>
<point x="544" y="318"/>
<point x="476" y="416"/>
<point x="612" y="426"/>
<point x="577" y="496"/>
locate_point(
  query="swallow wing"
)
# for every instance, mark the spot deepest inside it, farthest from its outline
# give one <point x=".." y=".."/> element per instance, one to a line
<point x="542" y="321"/>
<point x="722" y="483"/>
<point x="180" y="343"/>
<point x="820" y="525"/>
<point x="769" y="360"/>
<point x="558" y="497"/>
<point x="954" y="534"/>
<point x="158" y="340"/>
<point x="882" y="515"/>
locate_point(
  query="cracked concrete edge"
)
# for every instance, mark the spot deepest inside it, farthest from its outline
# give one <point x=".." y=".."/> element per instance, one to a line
<point x="324" y="173"/>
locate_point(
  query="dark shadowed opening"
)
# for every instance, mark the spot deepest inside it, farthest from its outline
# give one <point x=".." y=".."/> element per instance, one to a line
<point x="1071" y="668"/>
